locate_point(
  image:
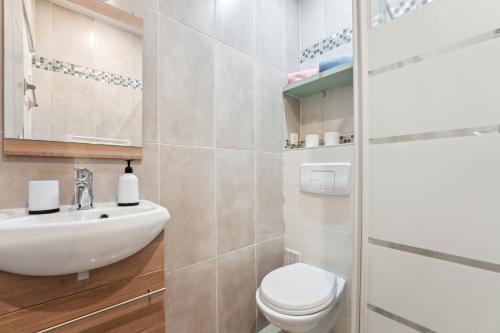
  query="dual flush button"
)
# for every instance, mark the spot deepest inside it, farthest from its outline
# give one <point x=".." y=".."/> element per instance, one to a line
<point x="326" y="178"/>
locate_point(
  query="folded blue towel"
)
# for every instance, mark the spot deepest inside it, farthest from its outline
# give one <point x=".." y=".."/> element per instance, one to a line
<point x="334" y="62"/>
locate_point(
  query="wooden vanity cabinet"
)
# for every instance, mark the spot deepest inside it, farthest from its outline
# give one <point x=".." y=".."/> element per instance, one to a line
<point x="32" y="304"/>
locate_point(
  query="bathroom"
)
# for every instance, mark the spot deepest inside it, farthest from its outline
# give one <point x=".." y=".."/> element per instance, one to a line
<point x="246" y="166"/>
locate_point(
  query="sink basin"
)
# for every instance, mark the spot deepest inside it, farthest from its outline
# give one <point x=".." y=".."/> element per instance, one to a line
<point x="73" y="241"/>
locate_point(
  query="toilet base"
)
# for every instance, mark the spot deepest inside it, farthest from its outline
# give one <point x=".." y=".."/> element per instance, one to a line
<point x="324" y="325"/>
<point x="327" y="325"/>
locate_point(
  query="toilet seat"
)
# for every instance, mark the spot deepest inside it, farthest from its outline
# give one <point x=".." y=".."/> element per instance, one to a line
<point x="298" y="289"/>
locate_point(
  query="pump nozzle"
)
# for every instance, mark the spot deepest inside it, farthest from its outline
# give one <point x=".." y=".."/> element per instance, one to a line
<point x="129" y="169"/>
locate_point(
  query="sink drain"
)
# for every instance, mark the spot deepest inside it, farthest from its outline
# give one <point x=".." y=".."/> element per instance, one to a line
<point x="104" y="216"/>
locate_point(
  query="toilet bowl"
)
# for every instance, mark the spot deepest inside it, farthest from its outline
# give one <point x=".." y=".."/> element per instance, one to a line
<point x="301" y="298"/>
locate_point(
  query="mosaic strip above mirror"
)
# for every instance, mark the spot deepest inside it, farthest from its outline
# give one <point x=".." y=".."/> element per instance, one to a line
<point x="330" y="43"/>
<point x="85" y="72"/>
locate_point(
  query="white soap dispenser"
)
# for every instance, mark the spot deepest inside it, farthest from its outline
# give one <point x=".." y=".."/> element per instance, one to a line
<point x="128" y="188"/>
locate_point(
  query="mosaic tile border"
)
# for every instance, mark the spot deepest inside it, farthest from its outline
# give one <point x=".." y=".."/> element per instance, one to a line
<point x="328" y="44"/>
<point x="349" y="138"/>
<point x="344" y="139"/>
<point x="401" y="8"/>
<point x="85" y="72"/>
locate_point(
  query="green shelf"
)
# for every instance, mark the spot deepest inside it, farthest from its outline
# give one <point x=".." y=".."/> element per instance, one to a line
<point x="336" y="77"/>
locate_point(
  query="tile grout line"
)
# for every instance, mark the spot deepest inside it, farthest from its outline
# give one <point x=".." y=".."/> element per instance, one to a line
<point x="254" y="129"/>
<point x="346" y="233"/>
<point x="222" y="148"/>
<point x="214" y="38"/>
<point x="214" y="142"/>
<point x="158" y="114"/>
<point x="284" y="127"/>
<point x="204" y="261"/>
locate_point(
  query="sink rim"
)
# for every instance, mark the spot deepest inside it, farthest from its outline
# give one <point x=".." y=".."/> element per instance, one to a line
<point x="16" y="218"/>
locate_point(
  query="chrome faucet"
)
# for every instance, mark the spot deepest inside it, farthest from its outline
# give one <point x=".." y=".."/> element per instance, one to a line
<point x="84" y="194"/>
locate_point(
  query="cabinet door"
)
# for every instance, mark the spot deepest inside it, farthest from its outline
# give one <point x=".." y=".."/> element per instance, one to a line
<point x="146" y="315"/>
<point x="126" y="318"/>
<point x="18" y="292"/>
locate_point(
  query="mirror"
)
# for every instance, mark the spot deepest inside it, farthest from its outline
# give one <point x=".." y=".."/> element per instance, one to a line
<point x="73" y="73"/>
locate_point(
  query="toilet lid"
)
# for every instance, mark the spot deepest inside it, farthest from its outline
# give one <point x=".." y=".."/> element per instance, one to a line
<point x="298" y="289"/>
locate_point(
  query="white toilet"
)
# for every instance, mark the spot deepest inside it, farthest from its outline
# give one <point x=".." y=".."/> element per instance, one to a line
<point x="301" y="298"/>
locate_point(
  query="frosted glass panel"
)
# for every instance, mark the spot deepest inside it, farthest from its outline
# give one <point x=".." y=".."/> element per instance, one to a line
<point x="388" y="10"/>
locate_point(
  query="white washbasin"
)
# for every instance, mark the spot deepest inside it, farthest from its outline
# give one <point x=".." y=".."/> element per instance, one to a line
<point x="73" y="241"/>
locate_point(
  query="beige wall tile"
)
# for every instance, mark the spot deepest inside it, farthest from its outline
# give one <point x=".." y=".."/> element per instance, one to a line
<point x="41" y="117"/>
<point x="269" y="33"/>
<point x="43" y="28"/>
<point x="188" y="192"/>
<point x="234" y="24"/>
<point x="198" y="14"/>
<point x="312" y="115"/>
<point x="292" y="116"/>
<point x="269" y="189"/>
<point x="114" y="50"/>
<point x="2" y="67"/>
<point x="333" y="212"/>
<point x="292" y="36"/>
<point x="344" y="323"/>
<point x="73" y="37"/>
<point x="339" y="110"/>
<point x="137" y="56"/>
<point x="311" y="22"/>
<point x="135" y="125"/>
<point x="186" y="85"/>
<point x="191" y="299"/>
<point x="326" y="248"/>
<point x="16" y="171"/>
<point x="72" y="106"/>
<point x="14" y="121"/>
<point x="106" y="174"/>
<point x="117" y="114"/>
<point x="236" y="291"/>
<point x="269" y="109"/>
<point x="148" y="171"/>
<point x="150" y="77"/>
<point x="235" y="199"/>
<point x="233" y="79"/>
<point x="151" y="4"/>
<point x="269" y="256"/>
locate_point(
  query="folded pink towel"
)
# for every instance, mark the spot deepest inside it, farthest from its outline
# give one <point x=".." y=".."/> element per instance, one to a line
<point x="297" y="76"/>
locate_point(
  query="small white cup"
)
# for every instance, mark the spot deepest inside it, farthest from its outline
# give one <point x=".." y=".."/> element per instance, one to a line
<point x="43" y="196"/>
<point x="294" y="139"/>
<point x="312" y="140"/>
<point x="332" y="138"/>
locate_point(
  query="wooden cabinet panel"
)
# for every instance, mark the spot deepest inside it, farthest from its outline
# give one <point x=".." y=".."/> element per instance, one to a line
<point x="61" y="310"/>
<point x="141" y="316"/>
<point x="20" y="291"/>
<point x="25" y="147"/>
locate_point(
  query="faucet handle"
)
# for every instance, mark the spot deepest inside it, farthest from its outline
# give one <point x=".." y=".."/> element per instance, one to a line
<point x="83" y="174"/>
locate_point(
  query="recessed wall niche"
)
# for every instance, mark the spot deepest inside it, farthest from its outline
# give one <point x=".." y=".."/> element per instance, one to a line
<point x="327" y="111"/>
